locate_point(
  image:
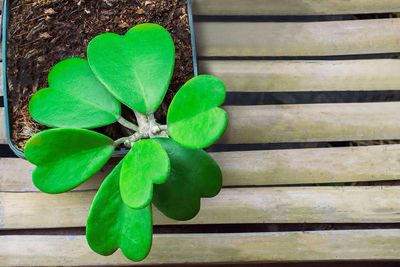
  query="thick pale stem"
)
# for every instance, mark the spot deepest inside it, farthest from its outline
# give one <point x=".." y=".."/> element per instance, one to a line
<point x="121" y="141"/>
<point x="128" y="124"/>
<point x="141" y="119"/>
<point x="151" y="118"/>
<point x="129" y="140"/>
<point x="154" y="127"/>
<point x="147" y="128"/>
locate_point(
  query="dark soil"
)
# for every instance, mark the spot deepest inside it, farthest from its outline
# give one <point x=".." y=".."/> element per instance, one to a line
<point x="43" y="32"/>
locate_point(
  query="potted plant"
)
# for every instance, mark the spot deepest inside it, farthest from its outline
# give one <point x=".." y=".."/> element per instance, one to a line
<point x="164" y="164"/>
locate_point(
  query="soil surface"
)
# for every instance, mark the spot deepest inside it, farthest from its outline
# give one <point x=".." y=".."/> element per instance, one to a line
<point x="43" y="32"/>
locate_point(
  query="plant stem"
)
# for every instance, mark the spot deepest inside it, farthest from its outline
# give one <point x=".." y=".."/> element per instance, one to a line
<point x="121" y="141"/>
<point x="151" y="118"/>
<point x="154" y="127"/>
<point x="128" y="124"/>
<point x="147" y="128"/>
<point x="141" y="119"/>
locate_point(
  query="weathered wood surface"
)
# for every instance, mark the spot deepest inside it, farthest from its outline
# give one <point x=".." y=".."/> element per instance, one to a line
<point x="3" y="139"/>
<point x="1" y="72"/>
<point x="291" y="75"/>
<point x="298" y="39"/>
<point x="293" y="7"/>
<point x="20" y="209"/>
<point x="312" y="122"/>
<point x="308" y="123"/>
<point x="326" y="204"/>
<point x="334" y="75"/>
<point x="269" y="167"/>
<point x="211" y="248"/>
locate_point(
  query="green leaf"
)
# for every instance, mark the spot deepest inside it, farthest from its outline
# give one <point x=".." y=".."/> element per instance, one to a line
<point x="137" y="67"/>
<point x="65" y="158"/>
<point x="194" y="174"/>
<point x="146" y="164"/>
<point x="75" y="98"/>
<point x="194" y="118"/>
<point x="112" y="225"/>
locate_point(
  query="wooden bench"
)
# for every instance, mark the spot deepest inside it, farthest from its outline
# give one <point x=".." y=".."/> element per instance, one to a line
<point x="261" y="187"/>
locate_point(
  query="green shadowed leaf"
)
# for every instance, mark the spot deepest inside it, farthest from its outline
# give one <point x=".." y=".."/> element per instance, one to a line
<point x="194" y="174"/>
<point x="112" y="225"/>
<point x="194" y="118"/>
<point x="65" y="158"/>
<point x="137" y="67"/>
<point x="146" y="164"/>
<point x="75" y="98"/>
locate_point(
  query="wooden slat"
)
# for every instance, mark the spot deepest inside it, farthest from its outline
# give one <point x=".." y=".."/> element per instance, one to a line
<point x="1" y="73"/>
<point x="286" y="76"/>
<point x="3" y="139"/>
<point x="210" y="248"/>
<point x="312" y="122"/>
<point x="303" y="166"/>
<point x="16" y="176"/>
<point x="272" y="167"/>
<point x="298" y="123"/>
<point x="321" y="122"/>
<point x="233" y="205"/>
<point x="293" y="7"/>
<point x="298" y="39"/>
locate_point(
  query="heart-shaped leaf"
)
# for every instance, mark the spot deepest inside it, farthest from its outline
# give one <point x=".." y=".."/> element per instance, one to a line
<point x="65" y="158"/>
<point x="194" y="118"/>
<point x="194" y="174"/>
<point x="137" y="67"/>
<point x="112" y="225"/>
<point x="75" y="98"/>
<point x="146" y="164"/>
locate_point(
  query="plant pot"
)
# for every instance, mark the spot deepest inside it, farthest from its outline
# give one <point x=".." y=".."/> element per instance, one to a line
<point x="8" y="101"/>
